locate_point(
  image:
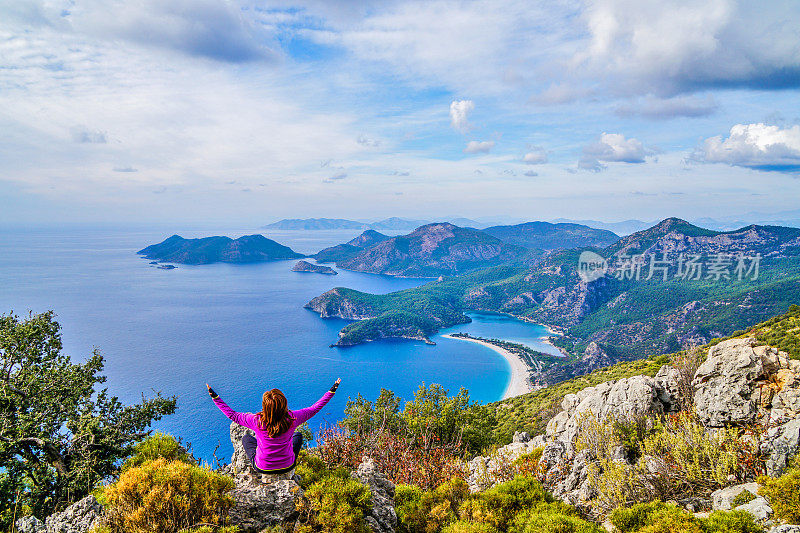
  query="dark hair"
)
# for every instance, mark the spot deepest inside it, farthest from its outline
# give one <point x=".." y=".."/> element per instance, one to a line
<point x="274" y="417"/>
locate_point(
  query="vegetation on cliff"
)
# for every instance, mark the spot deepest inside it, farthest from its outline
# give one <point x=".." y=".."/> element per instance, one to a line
<point x="60" y="434"/>
<point x="624" y="315"/>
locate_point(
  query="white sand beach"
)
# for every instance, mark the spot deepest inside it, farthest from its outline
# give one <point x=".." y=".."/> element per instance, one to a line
<point x="519" y="382"/>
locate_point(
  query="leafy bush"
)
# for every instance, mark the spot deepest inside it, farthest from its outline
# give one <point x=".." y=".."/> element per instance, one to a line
<point x="335" y="503"/>
<point x="401" y="458"/>
<point x="155" y="446"/>
<point x="469" y="527"/>
<point x="659" y="517"/>
<point x="730" y="522"/>
<point x="500" y="504"/>
<point x="742" y="498"/>
<point x="671" y="519"/>
<point x="635" y="517"/>
<point x="783" y="493"/>
<point x="534" y="521"/>
<point x="432" y="418"/>
<point x="698" y="461"/>
<point x="528" y="464"/>
<point x="678" y="456"/>
<point x="429" y="511"/>
<point x="160" y="496"/>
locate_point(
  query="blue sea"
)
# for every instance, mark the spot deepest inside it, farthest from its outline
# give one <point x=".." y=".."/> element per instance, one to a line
<point x="241" y="328"/>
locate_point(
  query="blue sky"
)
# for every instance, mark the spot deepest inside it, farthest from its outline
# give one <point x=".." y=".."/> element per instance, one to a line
<point x="165" y="110"/>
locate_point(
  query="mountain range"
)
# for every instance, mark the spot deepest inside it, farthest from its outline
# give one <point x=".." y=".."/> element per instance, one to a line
<point x="618" y="316"/>
<point x="549" y="236"/>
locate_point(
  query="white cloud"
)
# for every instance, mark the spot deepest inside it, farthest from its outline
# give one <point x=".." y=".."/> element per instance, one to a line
<point x="479" y="147"/>
<point x="536" y="156"/>
<point x="671" y="47"/>
<point x="612" y="147"/>
<point x="459" y="114"/>
<point x="759" y="146"/>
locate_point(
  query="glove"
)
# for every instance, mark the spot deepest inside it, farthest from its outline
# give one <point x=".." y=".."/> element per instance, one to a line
<point x="336" y="385"/>
<point x="211" y="393"/>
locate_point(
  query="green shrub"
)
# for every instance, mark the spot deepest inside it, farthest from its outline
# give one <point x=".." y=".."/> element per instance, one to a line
<point x="783" y="493"/>
<point x="160" y="496"/>
<point x="430" y="511"/>
<point x="499" y="505"/>
<point x="671" y="519"/>
<point x="742" y="498"/>
<point x="311" y="468"/>
<point x="730" y="522"/>
<point x="335" y="503"/>
<point x="537" y="521"/>
<point x="635" y="517"/>
<point x="469" y="527"/>
<point x="155" y="446"/>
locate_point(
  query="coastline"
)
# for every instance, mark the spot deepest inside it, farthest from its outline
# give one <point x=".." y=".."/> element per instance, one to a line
<point x="519" y="383"/>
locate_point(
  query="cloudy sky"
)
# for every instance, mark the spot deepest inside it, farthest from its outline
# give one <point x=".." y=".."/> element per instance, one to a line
<point x="193" y="110"/>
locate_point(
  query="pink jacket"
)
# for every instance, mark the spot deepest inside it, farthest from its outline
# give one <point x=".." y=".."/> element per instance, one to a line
<point x="273" y="453"/>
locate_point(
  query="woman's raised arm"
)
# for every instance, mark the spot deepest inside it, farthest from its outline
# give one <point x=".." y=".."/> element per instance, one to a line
<point x="303" y="415"/>
<point x="243" y="419"/>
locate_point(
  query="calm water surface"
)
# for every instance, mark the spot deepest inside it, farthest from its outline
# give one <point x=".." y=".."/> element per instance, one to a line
<point x="241" y="328"/>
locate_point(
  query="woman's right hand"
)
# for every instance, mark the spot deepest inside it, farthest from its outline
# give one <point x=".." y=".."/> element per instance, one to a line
<point x="336" y="385"/>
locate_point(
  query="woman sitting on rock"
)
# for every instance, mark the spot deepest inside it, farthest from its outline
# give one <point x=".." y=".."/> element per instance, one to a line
<point x="275" y="448"/>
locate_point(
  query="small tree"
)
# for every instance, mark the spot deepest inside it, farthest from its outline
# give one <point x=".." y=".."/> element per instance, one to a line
<point x="59" y="436"/>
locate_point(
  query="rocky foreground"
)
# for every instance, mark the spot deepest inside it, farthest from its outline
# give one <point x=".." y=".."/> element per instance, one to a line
<point x="741" y="387"/>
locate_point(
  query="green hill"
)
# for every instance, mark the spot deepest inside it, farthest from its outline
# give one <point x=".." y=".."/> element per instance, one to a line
<point x="246" y="249"/>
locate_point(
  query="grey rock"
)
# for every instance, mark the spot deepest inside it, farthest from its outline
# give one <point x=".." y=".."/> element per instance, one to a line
<point x="722" y="499"/>
<point x="725" y="382"/>
<point x="382" y="517"/>
<point x="239" y="461"/>
<point x="30" y="524"/>
<point x="521" y="436"/>
<point x="667" y="387"/>
<point x="780" y="444"/>
<point x="79" y="517"/>
<point x="785" y="528"/>
<point x="759" y="508"/>
<point x="626" y="399"/>
<point x="259" y="505"/>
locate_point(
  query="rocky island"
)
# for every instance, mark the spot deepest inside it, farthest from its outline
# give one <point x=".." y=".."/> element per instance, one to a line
<point x="246" y="249"/>
<point x="305" y="266"/>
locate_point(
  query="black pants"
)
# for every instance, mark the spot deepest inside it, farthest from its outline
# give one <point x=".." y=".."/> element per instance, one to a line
<point x="250" y="444"/>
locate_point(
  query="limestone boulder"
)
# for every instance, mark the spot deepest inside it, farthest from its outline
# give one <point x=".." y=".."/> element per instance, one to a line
<point x="80" y="517"/>
<point x="725" y="382"/>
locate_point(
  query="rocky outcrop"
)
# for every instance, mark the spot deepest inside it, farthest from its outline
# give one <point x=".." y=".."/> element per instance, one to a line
<point x="741" y="382"/>
<point x="486" y="471"/>
<point x="80" y="517"/>
<point x="382" y="517"/>
<point x="260" y="505"/>
<point x="30" y="524"/>
<point x="722" y="499"/>
<point x="779" y="445"/>
<point x="725" y="383"/>
<point x="626" y="399"/>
